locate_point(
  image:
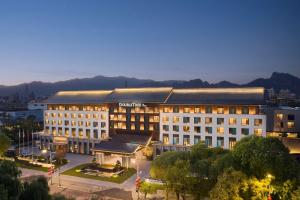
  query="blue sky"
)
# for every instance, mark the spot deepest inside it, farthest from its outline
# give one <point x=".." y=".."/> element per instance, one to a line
<point x="167" y="39"/>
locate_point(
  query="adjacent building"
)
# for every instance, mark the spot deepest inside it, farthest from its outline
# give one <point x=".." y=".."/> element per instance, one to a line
<point x="123" y="121"/>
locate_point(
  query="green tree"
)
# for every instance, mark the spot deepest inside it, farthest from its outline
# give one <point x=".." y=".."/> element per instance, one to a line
<point x="149" y="188"/>
<point x="178" y="178"/>
<point x="36" y="190"/>
<point x="4" y="144"/>
<point x="10" y="186"/>
<point x="229" y="185"/>
<point x="296" y="194"/>
<point x="258" y="156"/>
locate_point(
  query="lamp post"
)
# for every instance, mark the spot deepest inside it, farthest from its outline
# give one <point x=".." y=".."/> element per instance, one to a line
<point x="44" y="151"/>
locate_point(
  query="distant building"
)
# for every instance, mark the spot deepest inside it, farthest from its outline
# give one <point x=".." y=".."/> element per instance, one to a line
<point x="283" y="121"/>
<point x="23" y="114"/>
<point x="36" y="105"/>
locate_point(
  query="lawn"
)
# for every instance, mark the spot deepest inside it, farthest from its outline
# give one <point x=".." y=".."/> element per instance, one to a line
<point x="30" y="166"/>
<point x="119" y="179"/>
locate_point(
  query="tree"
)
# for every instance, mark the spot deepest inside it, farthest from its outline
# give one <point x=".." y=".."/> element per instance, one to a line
<point x="296" y="194"/>
<point x="229" y="186"/>
<point x="258" y="156"/>
<point x="149" y="188"/>
<point x="36" y="190"/>
<point x="4" y="144"/>
<point x="178" y="177"/>
<point x="10" y="186"/>
<point x="160" y="165"/>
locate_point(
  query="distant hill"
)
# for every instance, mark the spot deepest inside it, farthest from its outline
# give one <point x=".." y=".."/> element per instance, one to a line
<point x="277" y="81"/>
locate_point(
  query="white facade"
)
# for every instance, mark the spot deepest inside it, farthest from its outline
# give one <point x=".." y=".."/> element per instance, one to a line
<point x="92" y="125"/>
<point x="221" y="130"/>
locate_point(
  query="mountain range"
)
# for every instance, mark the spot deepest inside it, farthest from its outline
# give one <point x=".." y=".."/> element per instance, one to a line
<point x="277" y="81"/>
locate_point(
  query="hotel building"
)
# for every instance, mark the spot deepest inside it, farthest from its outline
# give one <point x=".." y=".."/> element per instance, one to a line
<point x="125" y="120"/>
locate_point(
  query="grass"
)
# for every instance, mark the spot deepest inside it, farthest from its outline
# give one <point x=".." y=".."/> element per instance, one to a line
<point x="119" y="179"/>
<point x="30" y="166"/>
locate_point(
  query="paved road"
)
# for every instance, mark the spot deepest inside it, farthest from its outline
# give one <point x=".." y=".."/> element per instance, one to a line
<point x="89" y="185"/>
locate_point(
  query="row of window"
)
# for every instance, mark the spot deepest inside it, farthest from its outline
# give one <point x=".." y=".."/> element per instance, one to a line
<point x="187" y="140"/>
<point x="211" y="109"/>
<point x="77" y="108"/>
<point x="75" y="123"/>
<point x="86" y="133"/>
<point x="133" y="118"/>
<point x="209" y="120"/>
<point x="135" y="126"/>
<point x="134" y="110"/>
<point x="209" y="130"/>
<point x="75" y="115"/>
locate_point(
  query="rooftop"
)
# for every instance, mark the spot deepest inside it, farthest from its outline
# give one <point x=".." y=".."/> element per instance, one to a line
<point x="123" y="143"/>
<point x="163" y="95"/>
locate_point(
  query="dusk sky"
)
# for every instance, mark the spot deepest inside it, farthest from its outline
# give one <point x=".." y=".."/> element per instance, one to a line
<point x="168" y="39"/>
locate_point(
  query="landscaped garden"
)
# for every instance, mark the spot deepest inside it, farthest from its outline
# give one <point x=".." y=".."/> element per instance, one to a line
<point x="111" y="173"/>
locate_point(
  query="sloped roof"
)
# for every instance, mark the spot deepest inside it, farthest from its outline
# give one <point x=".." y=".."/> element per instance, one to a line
<point x="143" y="95"/>
<point x="79" y="97"/>
<point x="228" y="96"/>
<point x="123" y="143"/>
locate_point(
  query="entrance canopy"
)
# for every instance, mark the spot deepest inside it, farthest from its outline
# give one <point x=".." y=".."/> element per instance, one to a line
<point x="123" y="144"/>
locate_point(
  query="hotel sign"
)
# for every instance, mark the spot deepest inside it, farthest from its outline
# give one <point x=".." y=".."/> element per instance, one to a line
<point x="59" y="140"/>
<point x="131" y="105"/>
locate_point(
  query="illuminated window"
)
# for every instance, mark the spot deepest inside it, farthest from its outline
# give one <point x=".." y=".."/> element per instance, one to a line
<point x="165" y="127"/>
<point x="73" y="123"/>
<point x="220" y="121"/>
<point x="197" y="120"/>
<point x="103" y="134"/>
<point x="142" y="119"/>
<point x="232" y="142"/>
<point x="279" y="116"/>
<point x="54" y="131"/>
<point x="232" y="131"/>
<point x="88" y="116"/>
<point x="132" y="118"/>
<point x="186" y="120"/>
<point x="67" y="132"/>
<point x="220" y="130"/>
<point x="142" y="127"/>
<point x="151" y="127"/>
<point x="186" y="110"/>
<point x="60" y="115"/>
<point x="67" y="122"/>
<point x="95" y="116"/>
<point x="176" y="119"/>
<point x="132" y="126"/>
<point x="291" y="124"/>
<point x="176" y="128"/>
<point x="88" y="133"/>
<point x="220" y="110"/>
<point x="165" y="119"/>
<point x="166" y="109"/>
<point x="80" y="132"/>
<point x="53" y="115"/>
<point x="66" y="115"/>
<point x="186" y="128"/>
<point x="165" y="139"/>
<point x="80" y="123"/>
<point x="80" y="115"/>
<point x="232" y="121"/>
<point x="74" y="132"/>
<point x="257" y="122"/>
<point x="73" y="115"/>
<point x="156" y="118"/>
<point x="258" y="131"/>
<point x="197" y="110"/>
<point x="186" y="140"/>
<point x="53" y="122"/>
<point x="245" y="121"/>
<point x="60" y="131"/>
<point x="208" y="120"/>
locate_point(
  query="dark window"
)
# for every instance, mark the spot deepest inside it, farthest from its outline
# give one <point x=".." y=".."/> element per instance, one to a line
<point x="232" y="110"/>
<point x="291" y="117"/>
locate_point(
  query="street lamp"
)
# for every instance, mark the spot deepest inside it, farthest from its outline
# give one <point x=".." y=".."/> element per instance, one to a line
<point x="44" y="151"/>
